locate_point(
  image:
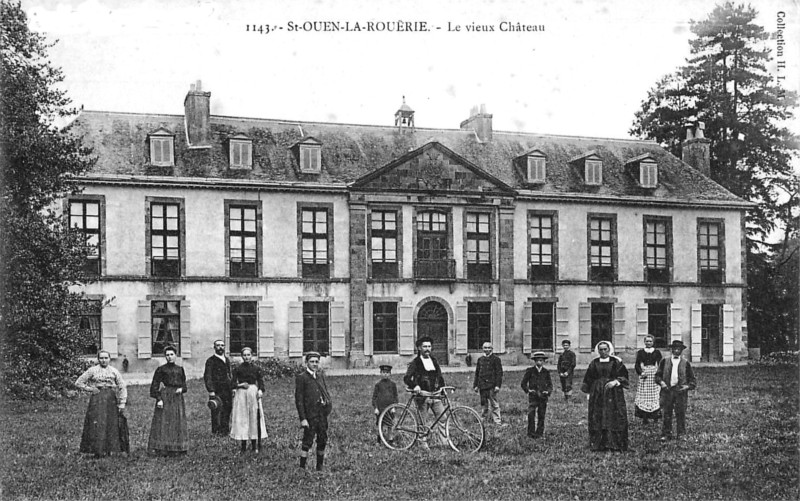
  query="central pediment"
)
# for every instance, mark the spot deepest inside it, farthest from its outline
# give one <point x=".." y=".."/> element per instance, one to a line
<point x="432" y="168"/>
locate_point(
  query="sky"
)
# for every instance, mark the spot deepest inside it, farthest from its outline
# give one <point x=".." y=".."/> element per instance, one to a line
<point x="583" y="72"/>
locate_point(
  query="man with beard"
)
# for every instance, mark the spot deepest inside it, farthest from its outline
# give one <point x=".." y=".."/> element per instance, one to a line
<point x="217" y="377"/>
<point x="425" y="376"/>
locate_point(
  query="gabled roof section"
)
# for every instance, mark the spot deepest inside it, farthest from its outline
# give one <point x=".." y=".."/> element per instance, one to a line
<point x="641" y="158"/>
<point x="308" y="140"/>
<point x="589" y="155"/>
<point x="161" y="131"/>
<point x="433" y="166"/>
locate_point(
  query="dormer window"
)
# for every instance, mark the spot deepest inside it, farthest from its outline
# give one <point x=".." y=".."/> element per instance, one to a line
<point x="593" y="175"/>
<point x="536" y="168"/>
<point x="241" y="152"/>
<point x="309" y="155"/>
<point x="162" y="147"/>
<point x="648" y="174"/>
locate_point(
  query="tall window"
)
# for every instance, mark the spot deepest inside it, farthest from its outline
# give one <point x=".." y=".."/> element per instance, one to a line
<point x="383" y="244"/>
<point x="243" y="242"/>
<point x="601" y="246"/>
<point x="85" y="216"/>
<point x="165" y="239"/>
<point x="90" y="324"/>
<point x="243" y="323"/>
<point x="542" y="248"/>
<point x="658" y="323"/>
<point x="602" y="322"/>
<point x="384" y="327"/>
<point x="710" y="252"/>
<point x="432" y="246"/>
<point x="479" y="324"/>
<point x="542" y="325"/>
<point x="315" y="243"/>
<point x="656" y="250"/>
<point x="648" y="174"/>
<point x="166" y="325"/>
<point x="315" y="327"/>
<point x="479" y="264"/>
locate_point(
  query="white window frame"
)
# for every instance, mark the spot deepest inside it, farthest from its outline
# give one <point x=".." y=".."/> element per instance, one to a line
<point x="158" y="142"/>
<point x="648" y="174"/>
<point x="537" y="169"/>
<point x="594" y="172"/>
<point x="310" y="154"/>
<point x="241" y="145"/>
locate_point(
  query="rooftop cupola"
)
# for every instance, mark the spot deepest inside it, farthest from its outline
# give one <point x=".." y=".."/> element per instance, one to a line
<point x="404" y="116"/>
<point x="197" y="113"/>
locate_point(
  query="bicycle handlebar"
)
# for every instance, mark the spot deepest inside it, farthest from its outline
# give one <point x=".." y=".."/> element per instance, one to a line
<point x="438" y="393"/>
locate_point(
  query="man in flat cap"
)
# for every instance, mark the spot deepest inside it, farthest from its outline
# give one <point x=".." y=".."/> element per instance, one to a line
<point x="537" y="384"/>
<point x="425" y="375"/>
<point x="676" y="378"/>
<point x="313" y="404"/>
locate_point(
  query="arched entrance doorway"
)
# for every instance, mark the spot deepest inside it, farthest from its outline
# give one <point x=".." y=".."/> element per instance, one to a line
<point x="432" y="322"/>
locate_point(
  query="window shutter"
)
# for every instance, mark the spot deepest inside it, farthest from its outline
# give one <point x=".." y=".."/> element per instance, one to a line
<point x="499" y="326"/>
<point x="675" y="322"/>
<point x="585" y="327"/>
<point x="461" y="328"/>
<point x="295" y="329"/>
<point x="697" y="332"/>
<point x="727" y="333"/>
<point x="170" y="160"/>
<point x="527" y="327"/>
<point x="314" y="154"/>
<point x="620" y="341"/>
<point x="110" y="323"/>
<point x="368" y="328"/>
<point x="337" y="330"/>
<point x="642" y="324"/>
<point x="143" y="330"/>
<point x="186" y="330"/>
<point x="562" y="326"/>
<point x="247" y="158"/>
<point x="227" y="334"/>
<point x="266" y="329"/>
<point x="405" y="314"/>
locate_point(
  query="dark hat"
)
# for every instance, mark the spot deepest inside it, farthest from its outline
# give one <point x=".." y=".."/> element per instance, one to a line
<point x="424" y="339"/>
<point x="214" y="403"/>
<point x="386" y="368"/>
<point x="677" y="344"/>
<point x="539" y="354"/>
<point x="312" y="354"/>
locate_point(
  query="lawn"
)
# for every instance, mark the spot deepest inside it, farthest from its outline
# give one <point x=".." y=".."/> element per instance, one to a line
<point x="742" y="444"/>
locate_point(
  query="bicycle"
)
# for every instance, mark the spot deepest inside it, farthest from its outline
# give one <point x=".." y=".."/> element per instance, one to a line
<point x="401" y="425"/>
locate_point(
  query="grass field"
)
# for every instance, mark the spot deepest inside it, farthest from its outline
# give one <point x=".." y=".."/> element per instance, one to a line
<point x="742" y="444"/>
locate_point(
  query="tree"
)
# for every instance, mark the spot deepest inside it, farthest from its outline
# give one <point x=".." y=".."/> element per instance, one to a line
<point x="725" y="83"/>
<point x="41" y="257"/>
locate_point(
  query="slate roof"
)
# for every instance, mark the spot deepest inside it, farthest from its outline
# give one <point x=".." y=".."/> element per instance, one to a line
<point x="119" y="141"/>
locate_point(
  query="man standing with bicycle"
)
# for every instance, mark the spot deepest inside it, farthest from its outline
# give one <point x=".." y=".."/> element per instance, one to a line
<point x="425" y="375"/>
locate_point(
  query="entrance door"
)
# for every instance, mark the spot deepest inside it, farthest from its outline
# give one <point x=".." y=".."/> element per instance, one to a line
<point x="711" y="350"/>
<point x="432" y="322"/>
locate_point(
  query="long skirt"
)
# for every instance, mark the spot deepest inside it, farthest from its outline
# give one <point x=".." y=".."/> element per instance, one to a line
<point x="101" y="426"/>
<point x="168" y="432"/>
<point x="648" y="392"/>
<point x="608" y="418"/>
<point x="244" y="418"/>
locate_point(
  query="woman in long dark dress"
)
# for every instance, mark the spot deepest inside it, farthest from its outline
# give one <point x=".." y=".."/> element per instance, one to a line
<point x="247" y="418"/>
<point x="604" y="381"/>
<point x="168" y="432"/>
<point x="647" y="403"/>
<point x="101" y="426"/>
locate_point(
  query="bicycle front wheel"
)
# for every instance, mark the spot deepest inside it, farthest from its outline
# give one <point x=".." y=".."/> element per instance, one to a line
<point x="397" y="427"/>
<point x="464" y="429"/>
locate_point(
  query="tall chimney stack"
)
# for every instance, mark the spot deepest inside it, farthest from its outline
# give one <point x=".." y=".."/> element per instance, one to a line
<point x="696" y="148"/>
<point x="197" y="112"/>
<point x="480" y="122"/>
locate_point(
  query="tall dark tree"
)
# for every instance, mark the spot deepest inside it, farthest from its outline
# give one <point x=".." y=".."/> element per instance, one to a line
<point x="725" y="84"/>
<point x="41" y="258"/>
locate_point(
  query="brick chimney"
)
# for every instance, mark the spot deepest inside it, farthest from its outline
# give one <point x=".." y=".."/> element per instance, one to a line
<point x="696" y="148"/>
<point x="480" y="122"/>
<point x="197" y="112"/>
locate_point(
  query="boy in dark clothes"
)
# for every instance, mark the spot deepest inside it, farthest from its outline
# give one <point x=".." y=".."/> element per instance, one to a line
<point x="566" y="367"/>
<point x="385" y="392"/>
<point x="537" y="384"/>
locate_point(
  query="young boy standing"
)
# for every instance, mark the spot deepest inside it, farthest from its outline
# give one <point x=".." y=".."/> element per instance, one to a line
<point x="385" y="392"/>
<point x="566" y="367"/>
<point x="537" y="384"/>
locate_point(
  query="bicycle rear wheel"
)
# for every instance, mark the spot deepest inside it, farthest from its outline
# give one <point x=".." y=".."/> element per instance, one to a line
<point x="397" y="427"/>
<point x="464" y="429"/>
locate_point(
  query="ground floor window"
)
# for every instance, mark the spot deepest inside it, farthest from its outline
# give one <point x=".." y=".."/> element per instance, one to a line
<point x="166" y="326"/>
<point x="658" y="323"/>
<point x="543" y="325"/>
<point x="315" y="327"/>
<point x="602" y="322"/>
<point x="479" y="324"/>
<point x="384" y="327"/>
<point x="90" y="324"/>
<point x="243" y="322"/>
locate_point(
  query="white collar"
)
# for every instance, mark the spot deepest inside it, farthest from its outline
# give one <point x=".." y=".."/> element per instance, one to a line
<point x="313" y="374"/>
<point x="427" y="363"/>
<point x="604" y="359"/>
<point x="649" y="350"/>
<point x="221" y="357"/>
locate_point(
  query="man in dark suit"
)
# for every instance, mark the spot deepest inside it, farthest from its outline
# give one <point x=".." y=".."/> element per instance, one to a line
<point x="313" y="404"/>
<point x="676" y="378"/>
<point x="217" y="377"/>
